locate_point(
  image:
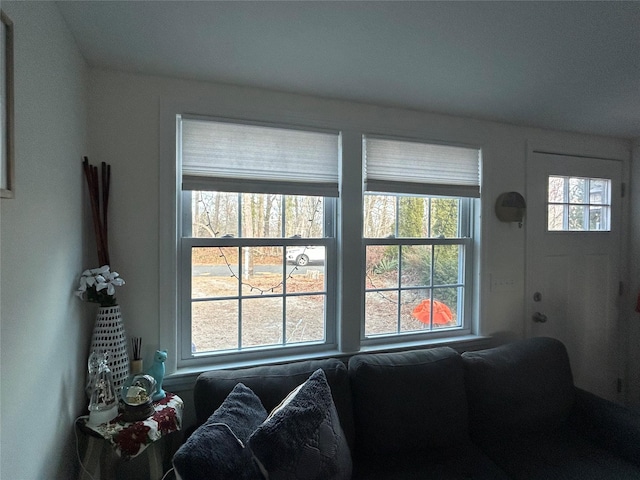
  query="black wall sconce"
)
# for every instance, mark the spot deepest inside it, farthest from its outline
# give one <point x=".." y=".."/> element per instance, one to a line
<point x="510" y="207"/>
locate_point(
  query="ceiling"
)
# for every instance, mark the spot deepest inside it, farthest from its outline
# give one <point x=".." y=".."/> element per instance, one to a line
<point x="562" y="65"/>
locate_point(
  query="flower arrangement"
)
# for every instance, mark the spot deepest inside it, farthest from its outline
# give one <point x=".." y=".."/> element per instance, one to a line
<point x="98" y="286"/>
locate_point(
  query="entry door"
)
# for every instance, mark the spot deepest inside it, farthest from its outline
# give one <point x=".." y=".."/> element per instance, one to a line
<point x="573" y="263"/>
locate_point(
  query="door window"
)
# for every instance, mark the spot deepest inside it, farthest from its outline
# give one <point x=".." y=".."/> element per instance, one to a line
<point x="578" y="204"/>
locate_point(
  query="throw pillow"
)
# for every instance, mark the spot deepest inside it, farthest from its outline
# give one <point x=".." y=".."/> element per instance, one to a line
<point x="302" y="439"/>
<point x="216" y="450"/>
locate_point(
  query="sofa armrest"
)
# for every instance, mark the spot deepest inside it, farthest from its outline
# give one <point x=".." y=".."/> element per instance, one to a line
<point x="612" y="426"/>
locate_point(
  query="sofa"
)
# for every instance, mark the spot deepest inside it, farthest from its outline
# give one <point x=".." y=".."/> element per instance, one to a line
<point x="507" y="412"/>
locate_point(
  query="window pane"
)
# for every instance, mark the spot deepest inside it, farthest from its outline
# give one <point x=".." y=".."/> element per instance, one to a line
<point x="307" y="255"/>
<point x="214" y="325"/>
<point x="555" y="218"/>
<point x="262" y="270"/>
<point x="577" y="219"/>
<point x="214" y="214"/>
<point x="305" y="318"/>
<point x="410" y="318"/>
<point x="381" y="313"/>
<point x="578" y="190"/>
<point x="598" y="192"/>
<point x="214" y="272"/>
<point x="261" y="322"/>
<point x="598" y="218"/>
<point x="416" y="265"/>
<point x="382" y="266"/>
<point x="379" y="216"/>
<point x="444" y="217"/>
<point x="413" y="217"/>
<point x="304" y="216"/>
<point x="310" y="279"/>
<point x="446" y="267"/>
<point x="261" y="215"/>
<point x="556" y="189"/>
<point x="448" y="308"/>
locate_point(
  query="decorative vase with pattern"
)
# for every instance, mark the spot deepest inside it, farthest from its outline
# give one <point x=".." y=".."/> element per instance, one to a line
<point x="109" y="336"/>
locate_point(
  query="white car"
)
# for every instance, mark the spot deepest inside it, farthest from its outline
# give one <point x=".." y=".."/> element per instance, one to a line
<point x="304" y="255"/>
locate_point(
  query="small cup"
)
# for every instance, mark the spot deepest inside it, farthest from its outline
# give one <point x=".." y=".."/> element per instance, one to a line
<point x="136" y="366"/>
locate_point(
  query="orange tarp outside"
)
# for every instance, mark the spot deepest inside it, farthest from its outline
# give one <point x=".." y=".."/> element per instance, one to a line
<point x="441" y="313"/>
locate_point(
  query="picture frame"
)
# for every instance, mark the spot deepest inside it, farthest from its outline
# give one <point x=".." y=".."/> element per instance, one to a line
<point x="7" y="142"/>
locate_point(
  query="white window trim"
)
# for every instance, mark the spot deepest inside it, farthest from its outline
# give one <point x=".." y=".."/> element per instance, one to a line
<point x="350" y="256"/>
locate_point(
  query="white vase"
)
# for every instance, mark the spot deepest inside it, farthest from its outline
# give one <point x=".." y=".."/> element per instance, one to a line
<point x="109" y="336"/>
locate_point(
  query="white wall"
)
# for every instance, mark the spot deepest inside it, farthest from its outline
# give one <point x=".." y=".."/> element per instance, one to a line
<point x="124" y="131"/>
<point x="44" y="328"/>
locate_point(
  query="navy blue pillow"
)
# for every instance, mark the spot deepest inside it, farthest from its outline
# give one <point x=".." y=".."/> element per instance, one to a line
<point x="302" y="439"/>
<point x="216" y="450"/>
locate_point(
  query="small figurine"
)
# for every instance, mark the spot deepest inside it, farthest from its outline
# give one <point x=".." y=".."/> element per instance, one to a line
<point x="157" y="372"/>
<point x="103" y="402"/>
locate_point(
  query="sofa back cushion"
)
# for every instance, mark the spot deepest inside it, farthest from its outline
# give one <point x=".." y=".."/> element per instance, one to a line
<point x="272" y="383"/>
<point x="524" y="386"/>
<point x="408" y="401"/>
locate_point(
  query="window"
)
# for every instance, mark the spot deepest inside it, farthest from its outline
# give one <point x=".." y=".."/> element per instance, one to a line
<point x="257" y="237"/>
<point x="301" y="241"/>
<point x="418" y="246"/>
<point x="579" y="204"/>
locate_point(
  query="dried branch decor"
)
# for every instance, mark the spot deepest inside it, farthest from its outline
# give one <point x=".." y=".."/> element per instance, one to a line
<point x="99" y="217"/>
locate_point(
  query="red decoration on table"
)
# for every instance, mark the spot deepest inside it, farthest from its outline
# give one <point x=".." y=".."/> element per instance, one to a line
<point x="130" y="439"/>
<point x="166" y="419"/>
<point x="133" y="439"/>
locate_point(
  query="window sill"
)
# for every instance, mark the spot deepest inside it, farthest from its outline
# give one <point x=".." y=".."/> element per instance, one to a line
<point x="461" y="343"/>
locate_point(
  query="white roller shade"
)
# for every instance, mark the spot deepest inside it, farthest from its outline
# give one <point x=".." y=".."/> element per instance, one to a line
<point x="238" y="157"/>
<point x="420" y="168"/>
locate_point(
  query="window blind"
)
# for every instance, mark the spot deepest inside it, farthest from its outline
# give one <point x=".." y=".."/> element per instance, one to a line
<point x="403" y="166"/>
<point x="261" y="159"/>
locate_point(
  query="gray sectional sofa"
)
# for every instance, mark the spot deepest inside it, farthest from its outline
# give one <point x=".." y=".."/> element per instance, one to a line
<point x="507" y="412"/>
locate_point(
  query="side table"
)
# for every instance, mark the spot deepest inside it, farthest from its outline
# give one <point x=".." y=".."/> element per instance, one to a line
<point x="111" y="443"/>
